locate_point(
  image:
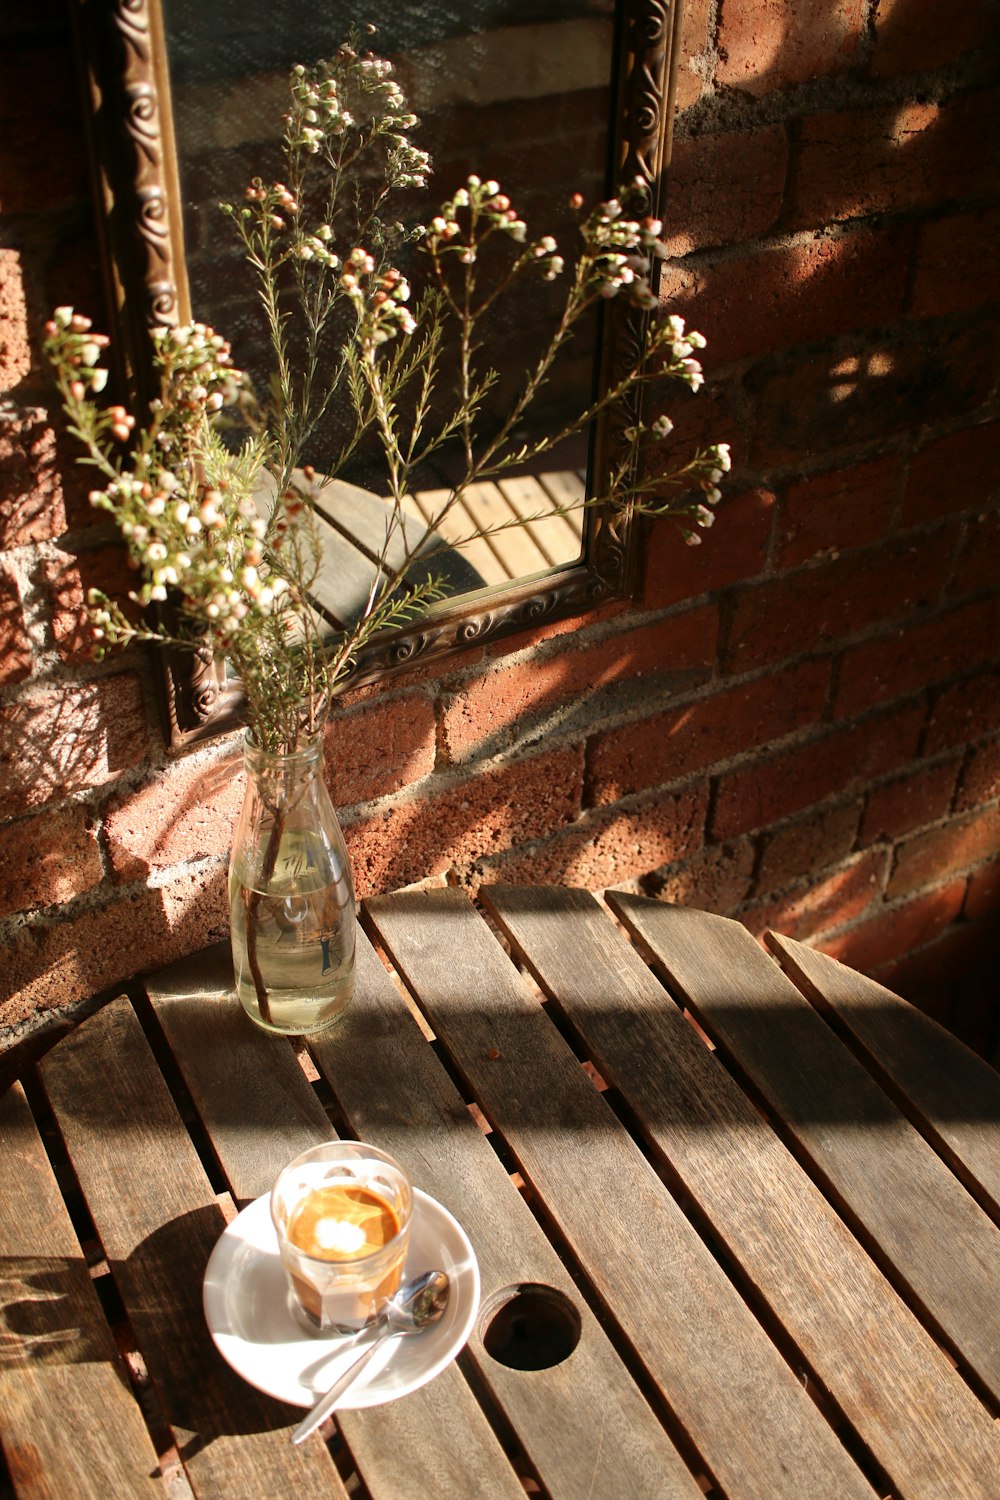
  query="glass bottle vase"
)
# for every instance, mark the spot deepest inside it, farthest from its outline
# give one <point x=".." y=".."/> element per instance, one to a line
<point x="291" y="896"/>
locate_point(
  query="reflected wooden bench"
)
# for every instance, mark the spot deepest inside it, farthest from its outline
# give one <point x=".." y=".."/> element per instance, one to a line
<point x="352" y="524"/>
<point x="747" y="1202"/>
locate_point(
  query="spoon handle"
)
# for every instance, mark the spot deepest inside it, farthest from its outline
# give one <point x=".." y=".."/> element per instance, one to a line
<point x="327" y="1403"/>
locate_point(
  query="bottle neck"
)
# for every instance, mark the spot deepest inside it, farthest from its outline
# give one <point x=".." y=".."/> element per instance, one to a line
<point x="296" y="765"/>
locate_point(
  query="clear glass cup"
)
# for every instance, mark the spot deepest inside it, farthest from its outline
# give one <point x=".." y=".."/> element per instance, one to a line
<point x="342" y="1215"/>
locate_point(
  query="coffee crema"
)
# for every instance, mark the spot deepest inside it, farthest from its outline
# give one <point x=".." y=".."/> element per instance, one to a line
<point x="342" y="1221"/>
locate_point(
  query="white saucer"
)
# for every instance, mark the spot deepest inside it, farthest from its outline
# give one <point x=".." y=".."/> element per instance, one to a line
<point x="246" y="1307"/>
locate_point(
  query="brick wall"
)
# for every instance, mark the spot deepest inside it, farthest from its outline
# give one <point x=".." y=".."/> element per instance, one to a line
<point x="796" y="724"/>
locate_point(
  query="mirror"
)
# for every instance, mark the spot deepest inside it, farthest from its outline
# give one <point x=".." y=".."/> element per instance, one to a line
<point x="550" y="98"/>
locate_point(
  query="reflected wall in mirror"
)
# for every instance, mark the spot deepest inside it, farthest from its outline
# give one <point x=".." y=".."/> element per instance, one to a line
<point x="551" y="98"/>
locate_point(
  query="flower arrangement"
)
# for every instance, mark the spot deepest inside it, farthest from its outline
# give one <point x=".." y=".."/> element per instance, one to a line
<point x="403" y="354"/>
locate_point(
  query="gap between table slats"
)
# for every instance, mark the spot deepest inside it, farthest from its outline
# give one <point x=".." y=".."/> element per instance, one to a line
<point x="952" y="1095"/>
<point x="69" y="1424"/>
<point x="396" y="1094"/>
<point x="747" y="1414"/>
<point x="158" y="1220"/>
<point x="260" y="1111"/>
<point x="928" y="1232"/>
<point x="868" y="1349"/>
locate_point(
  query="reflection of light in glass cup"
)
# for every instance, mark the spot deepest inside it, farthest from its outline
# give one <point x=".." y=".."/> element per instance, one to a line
<point x="342" y="1215"/>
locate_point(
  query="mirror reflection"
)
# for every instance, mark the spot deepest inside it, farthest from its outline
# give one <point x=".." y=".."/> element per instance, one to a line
<point x="515" y="92"/>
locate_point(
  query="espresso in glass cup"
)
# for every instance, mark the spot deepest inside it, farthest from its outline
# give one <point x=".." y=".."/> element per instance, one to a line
<point x="342" y="1215"/>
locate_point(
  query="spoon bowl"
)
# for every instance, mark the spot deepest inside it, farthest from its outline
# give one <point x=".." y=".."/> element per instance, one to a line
<point x="418" y="1304"/>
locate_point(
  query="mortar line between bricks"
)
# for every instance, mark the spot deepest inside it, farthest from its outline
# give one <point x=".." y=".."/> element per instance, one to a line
<point x="846" y="92"/>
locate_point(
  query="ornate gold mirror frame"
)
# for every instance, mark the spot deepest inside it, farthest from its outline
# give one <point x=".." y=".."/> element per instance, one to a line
<point x="123" y="53"/>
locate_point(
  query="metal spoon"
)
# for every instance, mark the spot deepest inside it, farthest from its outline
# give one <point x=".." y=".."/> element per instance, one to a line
<point x="416" y="1305"/>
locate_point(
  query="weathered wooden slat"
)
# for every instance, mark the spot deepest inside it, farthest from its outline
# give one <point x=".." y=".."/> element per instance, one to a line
<point x="344" y="577"/>
<point x="456" y="528"/>
<point x="515" y="546"/>
<point x="69" y="1425"/>
<point x="584" y="1425"/>
<point x="364" y="520"/>
<point x="923" y="1221"/>
<point x="158" y="1221"/>
<point x="260" y="1111"/>
<point x="567" y="487"/>
<point x="953" y="1094"/>
<point x="862" y="1341"/>
<point x="247" y="1085"/>
<point x="742" y="1405"/>
<point x="555" y="538"/>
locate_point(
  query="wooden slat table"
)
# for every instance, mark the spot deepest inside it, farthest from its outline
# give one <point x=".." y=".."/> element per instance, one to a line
<point x="746" y="1201"/>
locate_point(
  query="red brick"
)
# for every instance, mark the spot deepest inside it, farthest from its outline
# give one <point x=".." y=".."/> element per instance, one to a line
<point x="894" y="158"/>
<point x="533" y="636"/>
<point x="832" y="512"/>
<point x="956" y="264"/>
<point x="914" y="36"/>
<point x="460" y="823"/>
<point x="929" y="858"/>
<point x="15" y="340"/>
<point x="509" y="142"/>
<point x="965" y="712"/>
<point x="717" y="878"/>
<point x="921" y="796"/>
<point x="766" y="45"/>
<point x="724" y="188"/>
<point x="47" y="859"/>
<point x="734" y="549"/>
<point x="633" y="757"/>
<point x="608" y="847"/>
<point x="822" y="902"/>
<point x="31" y="497"/>
<point x="72" y="277"/>
<point x="54" y="963"/>
<point x="380" y="748"/>
<point x="953" y="979"/>
<point x="56" y="744"/>
<point x="821" y="605"/>
<point x="184" y="812"/>
<point x="43" y="165"/>
<point x="967" y="148"/>
<point x="694" y="54"/>
<point x="775" y="298"/>
<point x="829" y="401"/>
<point x="925" y="653"/>
<point x="15" y="646"/>
<point x="188" y="809"/>
<point x="981" y="776"/>
<point x="854" y="163"/>
<point x="713" y="414"/>
<point x="977" y="566"/>
<point x="490" y="710"/>
<point x="811" y="843"/>
<point x="952" y="474"/>
<point x="69" y="580"/>
<point x="791" y="780"/>
<point x="982" y="899"/>
<point x="896" y="929"/>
